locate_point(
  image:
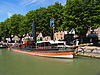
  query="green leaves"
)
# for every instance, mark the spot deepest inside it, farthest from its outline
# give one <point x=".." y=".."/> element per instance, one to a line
<point x="81" y="14"/>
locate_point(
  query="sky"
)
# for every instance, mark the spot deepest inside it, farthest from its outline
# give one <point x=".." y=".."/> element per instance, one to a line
<point x="10" y="7"/>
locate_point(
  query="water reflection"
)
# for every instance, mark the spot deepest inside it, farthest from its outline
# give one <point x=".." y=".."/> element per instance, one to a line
<point x="58" y="59"/>
<point x="0" y="52"/>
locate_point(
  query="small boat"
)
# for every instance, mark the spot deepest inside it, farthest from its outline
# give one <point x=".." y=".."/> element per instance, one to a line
<point x="3" y="46"/>
<point x="45" y="48"/>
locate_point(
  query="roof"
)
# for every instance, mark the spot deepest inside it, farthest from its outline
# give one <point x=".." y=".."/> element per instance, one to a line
<point x="52" y="42"/>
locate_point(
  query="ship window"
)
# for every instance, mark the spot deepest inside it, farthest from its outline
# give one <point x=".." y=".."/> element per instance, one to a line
<point x="43" y="44"/>
<point x="60" y="43"/>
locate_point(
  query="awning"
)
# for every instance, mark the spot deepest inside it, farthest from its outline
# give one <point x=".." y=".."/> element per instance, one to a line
<point x="16" y="38"/>
<point x="92" y="35"/>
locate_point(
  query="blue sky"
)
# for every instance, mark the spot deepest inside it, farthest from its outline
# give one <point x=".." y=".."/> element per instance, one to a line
<point x="10" y="7"/>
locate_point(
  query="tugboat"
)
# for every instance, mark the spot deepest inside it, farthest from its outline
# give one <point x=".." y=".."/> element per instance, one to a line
<point x="46" y="48"/>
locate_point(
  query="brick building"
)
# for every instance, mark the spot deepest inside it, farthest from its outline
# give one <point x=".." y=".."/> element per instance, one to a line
<point x="59" y="35"/>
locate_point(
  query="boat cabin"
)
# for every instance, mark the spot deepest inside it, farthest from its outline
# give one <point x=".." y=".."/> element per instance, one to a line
<point x="43" y="45"/>
<point x="58" y="44"/>
<point x="50" y="44"/>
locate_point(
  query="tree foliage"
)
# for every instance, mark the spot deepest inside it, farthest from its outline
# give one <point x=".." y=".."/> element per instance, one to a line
<point x="81" y="15"/>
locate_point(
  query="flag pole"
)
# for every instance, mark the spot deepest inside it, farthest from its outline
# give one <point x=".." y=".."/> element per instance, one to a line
<point x="52" y="25"/>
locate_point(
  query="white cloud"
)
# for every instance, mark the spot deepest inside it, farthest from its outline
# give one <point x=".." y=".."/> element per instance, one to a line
<point x="27" y="2"/>
<point x="9" y="14"/>
<point x="40" y="2"/>
<point x="63" y="2"/>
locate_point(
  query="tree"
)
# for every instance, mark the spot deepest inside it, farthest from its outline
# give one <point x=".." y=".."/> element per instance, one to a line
<point x="15" y="21"/>
<point x="23" y="27"/>
<point x="38" y="16"/>
<point x="81" y="15"/>
<point x="3" y="30"/>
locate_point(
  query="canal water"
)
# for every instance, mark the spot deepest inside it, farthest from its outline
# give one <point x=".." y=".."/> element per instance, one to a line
<point x="12" y="63"/>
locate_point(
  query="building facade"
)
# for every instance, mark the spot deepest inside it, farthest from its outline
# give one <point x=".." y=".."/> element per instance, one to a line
<point x="59" y="35"/>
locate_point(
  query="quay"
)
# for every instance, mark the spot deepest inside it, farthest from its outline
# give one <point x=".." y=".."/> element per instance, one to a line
<point x="94" y="55"/>
<point x="89" y="51"/>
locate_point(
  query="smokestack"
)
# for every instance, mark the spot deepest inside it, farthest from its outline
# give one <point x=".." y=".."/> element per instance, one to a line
<point x="34" y="31"/>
